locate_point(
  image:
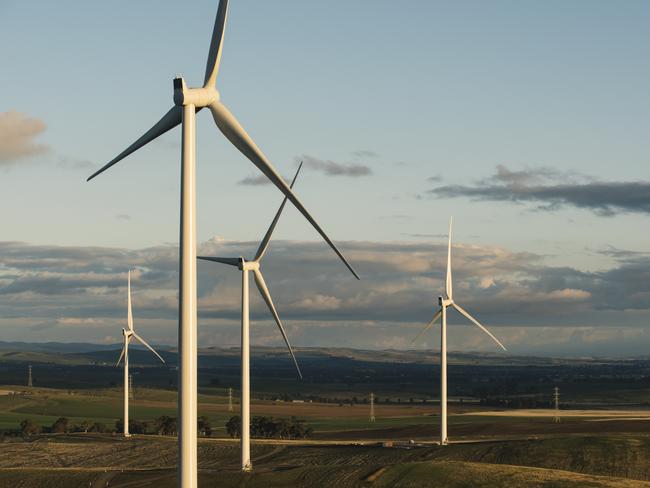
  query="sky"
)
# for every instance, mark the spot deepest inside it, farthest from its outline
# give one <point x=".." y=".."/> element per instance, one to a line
<point x="527" y="121"/>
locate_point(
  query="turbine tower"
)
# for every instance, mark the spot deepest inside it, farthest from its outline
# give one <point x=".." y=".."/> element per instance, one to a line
<point x="128" y="334"/>
<point x="187" y="102"/>
<point x="444" y="303"/>
<point x="30" y="383"/>
<point x="246" y="266"/>
<point x="230" y="399"/>
<point x="556" y="401"/>
<point x="372" y="407"/>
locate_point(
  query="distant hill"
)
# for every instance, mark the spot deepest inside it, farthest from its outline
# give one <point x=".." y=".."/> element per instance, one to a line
<point x="88" y="353"/>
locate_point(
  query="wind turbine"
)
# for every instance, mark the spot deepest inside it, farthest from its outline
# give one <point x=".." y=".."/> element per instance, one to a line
<point x="128" y="334"/>
<point x="188" y="101"/>
<point x="445" y="302"/>
<point x="247" y="266"/>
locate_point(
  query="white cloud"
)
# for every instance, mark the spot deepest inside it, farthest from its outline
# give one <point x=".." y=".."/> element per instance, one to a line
<point x="17" y="136"/>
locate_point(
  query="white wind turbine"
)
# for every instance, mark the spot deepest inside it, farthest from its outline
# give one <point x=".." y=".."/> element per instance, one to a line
<point x="188" y="101"/>
<point x="246" y="266"/>
<point x="128" y="334"/>
<point x="444" y="302"/>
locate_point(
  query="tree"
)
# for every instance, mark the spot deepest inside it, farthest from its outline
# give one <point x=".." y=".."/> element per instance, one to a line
<point x="204" y="426"/>
<point x="137" y="426"/>
<point x="166" y="425"/>
<point x="98" y="427"/>
<point x="297" y="429"/>
<point x="60" y="425"/>
<point x="28" y="427"/>
<point x="233" y="426"/>
<point x="85" y="425"/>
<point x="265" y="427"/>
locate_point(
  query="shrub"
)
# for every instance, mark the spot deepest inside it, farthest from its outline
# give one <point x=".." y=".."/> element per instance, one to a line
<point x="60" y="425"/>
<point x="28" y="427"/>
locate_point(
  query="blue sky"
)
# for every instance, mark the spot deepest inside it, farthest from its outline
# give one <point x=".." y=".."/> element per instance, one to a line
<point x="423" y="94"/>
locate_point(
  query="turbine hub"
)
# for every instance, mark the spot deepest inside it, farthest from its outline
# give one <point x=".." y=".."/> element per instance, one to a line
<point x="199" y="97"/>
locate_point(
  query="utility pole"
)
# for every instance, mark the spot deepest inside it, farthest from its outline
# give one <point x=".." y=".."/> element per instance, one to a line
<point x="29" y="378"/>
<point x="556" y="401"/>
<point x="230" y="399"/>
<point x="372" y="407"/>
<point x="131" y="387"/>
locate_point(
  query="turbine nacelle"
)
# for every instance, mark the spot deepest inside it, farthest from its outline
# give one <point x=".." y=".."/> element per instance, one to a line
<point x="199" y="97"/>
<point x="445" y="302"/>
<point x="249" y="265"/>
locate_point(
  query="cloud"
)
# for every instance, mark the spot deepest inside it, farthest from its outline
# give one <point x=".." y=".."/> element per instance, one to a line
<point x="332" y="168"/>
<point x="254" y="180"/>
<point x="74" y="164"/>
<point x="395" y="217"/>
<point x="259" y="180"/>
<point x="17" y="136"/>
<point x="67" y="292"/>
<point x="365" y="153"/>
<point x="426" y="236"/>
<point x="123" y="216"/>
<point x="552" y="190"/>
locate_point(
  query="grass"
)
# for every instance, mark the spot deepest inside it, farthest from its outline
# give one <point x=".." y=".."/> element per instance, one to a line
<point x="63" y="461"/>
<point x="456" y="474"/>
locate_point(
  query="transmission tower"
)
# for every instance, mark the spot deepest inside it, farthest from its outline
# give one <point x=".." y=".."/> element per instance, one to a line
<point x="30" y="383"/>
<point x="230" y="399"/>
<point x="372" y="407"/>
<point x="131" y="387"/>
<point x="556" y="401"/>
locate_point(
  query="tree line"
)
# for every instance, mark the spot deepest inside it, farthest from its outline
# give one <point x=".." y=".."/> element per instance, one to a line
<point x="270" y="428"/>
<point x="163" y="425"/>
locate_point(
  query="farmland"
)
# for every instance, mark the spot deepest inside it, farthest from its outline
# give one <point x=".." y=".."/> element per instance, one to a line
<point x="601" y="440"/>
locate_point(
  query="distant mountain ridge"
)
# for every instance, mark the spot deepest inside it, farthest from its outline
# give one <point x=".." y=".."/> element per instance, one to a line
<point x="84" y="353"/>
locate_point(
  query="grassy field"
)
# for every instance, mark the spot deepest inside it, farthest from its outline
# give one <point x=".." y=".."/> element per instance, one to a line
<point x="329" y="421"/>
<point x="490" y="447"/>
<point x="57" y="461"/>
<point x="503" y="434"/>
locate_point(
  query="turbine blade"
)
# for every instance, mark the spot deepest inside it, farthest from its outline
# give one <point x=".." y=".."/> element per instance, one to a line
<point x="121" y="356"/>
<point x="261" y="286"/>
<point x="429" y="325"/>
<point x="129" y="316"/>
<point x="144" y="343"/>
<point x="448" y="284"/>
<point x="170" y="120"/>
<point x="216" y="44"/>
<point x="231" y="261"/>
<point x="236" y="134"/>
<point x="265" y="242"/>
<point x="476" y="323"/>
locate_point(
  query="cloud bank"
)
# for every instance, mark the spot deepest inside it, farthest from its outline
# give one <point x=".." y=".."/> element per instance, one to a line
<point x="78" y="293"/>
<point x="552" y="190"/>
